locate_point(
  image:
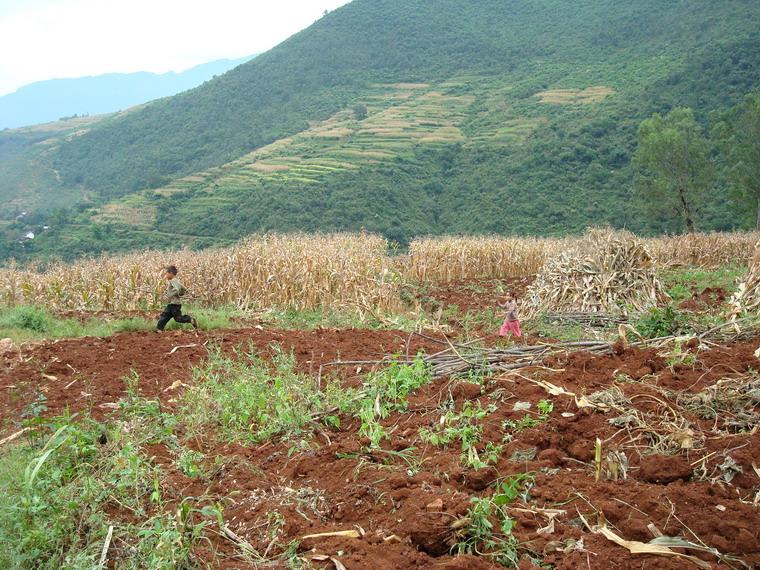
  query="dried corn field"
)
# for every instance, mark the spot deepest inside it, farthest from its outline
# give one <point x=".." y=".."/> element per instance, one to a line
<point x="289" y="272"/>
<point x="708" y="250"/>
<point x="302" y="271"/>
<point x="454" y="258"/>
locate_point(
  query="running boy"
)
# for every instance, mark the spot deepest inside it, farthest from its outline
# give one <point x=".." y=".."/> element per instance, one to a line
<point x="511" y="325"/>
<point x="174" y="291"/>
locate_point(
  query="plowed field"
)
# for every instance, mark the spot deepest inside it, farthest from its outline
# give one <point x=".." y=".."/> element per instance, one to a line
<point x="669" y="466"/>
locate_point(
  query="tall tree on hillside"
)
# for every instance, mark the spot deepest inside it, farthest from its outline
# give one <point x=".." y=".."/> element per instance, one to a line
<point x="738" y="134"/>
<point x="673" y="162"/>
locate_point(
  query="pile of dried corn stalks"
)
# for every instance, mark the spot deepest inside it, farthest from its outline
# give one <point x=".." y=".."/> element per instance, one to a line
<point x="746" y="299"/>
<point x="608" y="272"/>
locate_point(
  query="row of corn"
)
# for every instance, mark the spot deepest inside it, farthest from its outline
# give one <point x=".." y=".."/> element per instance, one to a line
<point x="284" y="271"/>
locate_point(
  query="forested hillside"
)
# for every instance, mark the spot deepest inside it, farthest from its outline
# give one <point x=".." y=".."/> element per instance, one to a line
<point x="408" y="117"/>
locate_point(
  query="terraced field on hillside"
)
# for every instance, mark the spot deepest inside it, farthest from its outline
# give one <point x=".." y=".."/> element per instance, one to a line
<point x="387" y="124"/>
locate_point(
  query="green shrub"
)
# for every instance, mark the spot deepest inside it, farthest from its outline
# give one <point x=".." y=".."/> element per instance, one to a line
<point x="660" y="322"/>
<point x="26" y="318"/>
<point x="387" y="390"/>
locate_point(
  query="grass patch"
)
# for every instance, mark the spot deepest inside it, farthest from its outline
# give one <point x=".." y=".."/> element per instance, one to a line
<point x="326" y="318"/>
<point x="23" y="324"/>
<point x="545" y="327"/>
<point x="683" y="283"/>
<point x="250" y="399"/>
<point x="29" y="323"/>
<point x="73" y="477"/>
<point x="58" y="487"/>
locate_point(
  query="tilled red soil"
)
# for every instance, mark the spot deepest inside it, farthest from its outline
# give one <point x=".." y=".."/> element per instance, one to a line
<point x="336" y="484"/>
<point x="475" y="294"/>
<point x="89" y="372"/>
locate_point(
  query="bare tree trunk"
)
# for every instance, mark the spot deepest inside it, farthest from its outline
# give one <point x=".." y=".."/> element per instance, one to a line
<point x="686" y="209"/>
<point x="689" y="224"/>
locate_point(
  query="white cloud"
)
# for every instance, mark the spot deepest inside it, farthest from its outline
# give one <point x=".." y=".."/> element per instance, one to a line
<point x="43" y="39"/>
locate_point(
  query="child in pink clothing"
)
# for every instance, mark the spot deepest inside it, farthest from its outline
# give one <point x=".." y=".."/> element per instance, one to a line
<point x="511" y="325"/>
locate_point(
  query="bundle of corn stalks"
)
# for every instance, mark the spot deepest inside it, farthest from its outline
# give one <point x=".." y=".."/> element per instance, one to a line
<point x="746" y="299"/>
<point x="607" y="272"/>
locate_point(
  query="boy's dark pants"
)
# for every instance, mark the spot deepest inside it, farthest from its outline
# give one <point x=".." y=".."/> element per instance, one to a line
<point x="172" y="312"/>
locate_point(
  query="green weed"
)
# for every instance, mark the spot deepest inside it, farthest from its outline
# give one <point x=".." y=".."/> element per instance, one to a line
<point x="528" y="421"/>
<point x="466" y="428"/>
<point x="488" y="531"/>
<point x="251" y="399"/>
<point x="545" y="408"/>
<point x="27" y="319"/>
<point x="167" y="540"/>
<point x="659" y="322"/>
<point x="52" y="513"/>
<point x="680" y="357"/>
<point x="385" y="391"/>
<point x="189" y="462"/>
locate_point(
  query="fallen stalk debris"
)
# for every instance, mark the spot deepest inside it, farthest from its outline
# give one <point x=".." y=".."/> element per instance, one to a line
<point x="459" y="359"/>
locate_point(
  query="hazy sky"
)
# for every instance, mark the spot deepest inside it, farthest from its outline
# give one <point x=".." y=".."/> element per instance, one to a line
<point x="45" y="39"/>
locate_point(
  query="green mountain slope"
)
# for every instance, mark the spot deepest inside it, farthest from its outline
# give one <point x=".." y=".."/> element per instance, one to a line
<point x="488" y="116"/>
<point x="28" y="180"/>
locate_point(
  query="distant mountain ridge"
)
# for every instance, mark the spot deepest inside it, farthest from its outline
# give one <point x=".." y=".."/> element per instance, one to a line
<point x="50" y="100"/>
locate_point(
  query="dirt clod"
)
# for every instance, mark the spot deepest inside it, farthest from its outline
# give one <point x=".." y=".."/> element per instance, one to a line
<point x="435" y="506"/>
<point x="479" y="479"/>
<point x="665" y="469"/>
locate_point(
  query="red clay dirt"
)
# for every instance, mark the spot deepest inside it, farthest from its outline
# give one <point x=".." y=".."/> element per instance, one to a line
<point x="89" y="372"/>
<point x="406" y="510"/>
<point x="710" y="298"/>
<point x="474" y="294"/>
